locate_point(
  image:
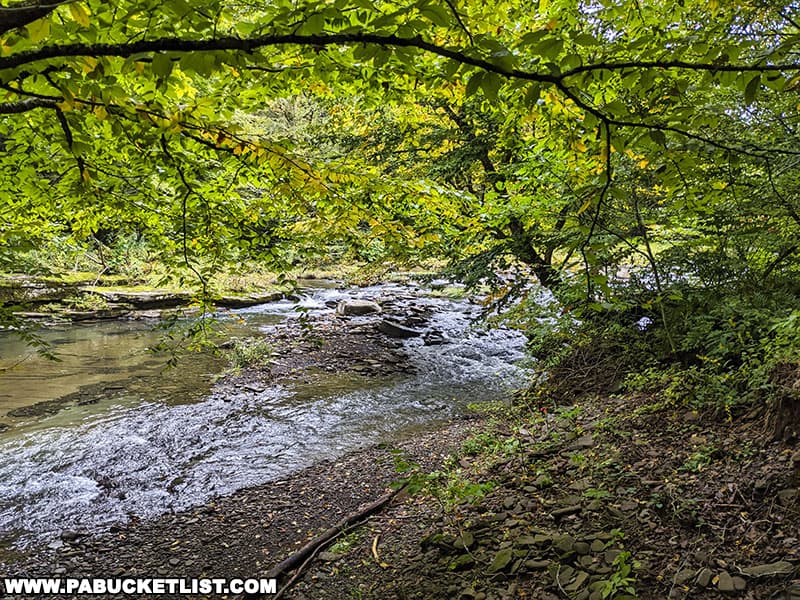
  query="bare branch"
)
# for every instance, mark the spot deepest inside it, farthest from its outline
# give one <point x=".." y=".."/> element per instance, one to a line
<point x="19" y="15"/>
<point x="12" y="108"/>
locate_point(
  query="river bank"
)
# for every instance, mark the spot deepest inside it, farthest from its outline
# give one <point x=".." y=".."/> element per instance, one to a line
<point x="243" y="534"/>
<point x="621" y="497"/>
<point x="609" y="497"/>
<point x="594" y="500"/>
<point x="331" y="379"/>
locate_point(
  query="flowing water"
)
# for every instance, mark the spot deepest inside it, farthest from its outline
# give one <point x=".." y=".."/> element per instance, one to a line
<point x="153" y="441"/>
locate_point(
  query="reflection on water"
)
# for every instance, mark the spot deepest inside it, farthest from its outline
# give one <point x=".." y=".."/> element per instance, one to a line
<point x="102" y="352"/>
<point x="133" y="453"/>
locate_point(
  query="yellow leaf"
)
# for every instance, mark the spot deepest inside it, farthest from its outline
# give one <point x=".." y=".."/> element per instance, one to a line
<point x="38" y="30"/>
<point x="585" y="206"/>
<point x="101" y="112"/>
<point x="89" y="64"/>
<point x="79" y="14"/>
<point x="643" y="163"/>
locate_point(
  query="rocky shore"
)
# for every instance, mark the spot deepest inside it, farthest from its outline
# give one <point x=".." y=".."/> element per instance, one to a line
<point x="608" y="498"/>
<point x="244" y="534"/>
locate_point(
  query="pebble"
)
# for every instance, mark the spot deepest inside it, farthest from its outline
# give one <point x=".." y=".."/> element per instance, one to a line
<point x="683" y="576"/>
<point x="581" y="547"/>
<point x="535" y="565"/>
<point x="563" y="543"/>
<point x="566" y="511"/>
<point x="704" y="577"/>
<point x="781" y="567"/>
<point x="725" y="582"/>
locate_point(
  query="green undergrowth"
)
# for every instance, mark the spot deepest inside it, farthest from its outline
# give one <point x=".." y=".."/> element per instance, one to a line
<point x="249" y="352"/>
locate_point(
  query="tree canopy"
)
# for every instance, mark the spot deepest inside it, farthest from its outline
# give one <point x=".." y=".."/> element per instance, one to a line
<point x="577" y="138"/>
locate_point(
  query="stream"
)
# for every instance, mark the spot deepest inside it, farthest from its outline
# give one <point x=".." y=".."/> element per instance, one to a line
<point x="153" y="441"/>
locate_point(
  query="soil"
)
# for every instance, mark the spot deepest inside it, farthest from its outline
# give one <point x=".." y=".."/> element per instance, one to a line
<point x="612" y="497"/>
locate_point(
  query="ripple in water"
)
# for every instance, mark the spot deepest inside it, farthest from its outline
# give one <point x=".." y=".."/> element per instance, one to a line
<point x="154" y="458"/>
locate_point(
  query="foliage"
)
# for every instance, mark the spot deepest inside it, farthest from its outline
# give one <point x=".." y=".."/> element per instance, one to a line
<point x="636" y="159"/>
<point x="250" y="352"/>
<point x="456" y="133"/>
<point x="620" y="583"/>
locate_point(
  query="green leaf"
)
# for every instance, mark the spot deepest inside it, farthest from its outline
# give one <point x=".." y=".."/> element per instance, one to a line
<point x="550" y="48"/>
<point x="775" y="82"/>
<point x="752" y="89"/>
<point x="533" y="93"/>
<point x="79" y="14"/>
<point x="39" y="29"/>
<point x="616" y="108"/>
<point x="584" y="39"/>
<point x="315" y="23"/>
<point x="162" y="65"/>
<point x="490" y="84"/>
<point x="437" y="15"/>
<point x="658" y="137"/>
<point x="474" y="83"/>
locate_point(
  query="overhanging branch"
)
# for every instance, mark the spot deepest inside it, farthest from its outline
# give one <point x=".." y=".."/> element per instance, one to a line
<point x="23" y="13"/>
<point x="12" y="108"/>
<point x="248" y="45"/>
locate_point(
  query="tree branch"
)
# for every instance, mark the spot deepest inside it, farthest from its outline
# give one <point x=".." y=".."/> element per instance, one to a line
<point x="19" y="15"/>
<point x="22" y="106"/>
<point x="62" y="120"/>
<point x="125" y="50"/>
<point x="679" y="64"/>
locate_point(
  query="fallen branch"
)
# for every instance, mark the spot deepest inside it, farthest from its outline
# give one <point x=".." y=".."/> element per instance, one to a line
<point x="299" y="558"/>
<point x="301" y="569"/>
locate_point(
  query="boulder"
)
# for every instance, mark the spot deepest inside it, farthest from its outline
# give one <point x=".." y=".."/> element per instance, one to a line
<point x="349" y="308"/>
<point x="397" y="330"/>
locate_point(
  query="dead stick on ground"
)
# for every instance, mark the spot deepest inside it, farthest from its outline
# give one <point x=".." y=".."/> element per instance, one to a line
<point x="301" y="569"/>
<point x="298" y="559"/>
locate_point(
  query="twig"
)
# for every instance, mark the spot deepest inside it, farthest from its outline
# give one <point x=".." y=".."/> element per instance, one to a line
<point x="378" y="560"/>
<point x="300" y="559"/>
<point x="307" y="561"/>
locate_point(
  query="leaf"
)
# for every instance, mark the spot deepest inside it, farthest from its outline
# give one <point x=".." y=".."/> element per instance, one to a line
<point x="437" y="15"/>
<point x="38" y="30"/>
<point x="585" y="206"/>
<point x="162" y="65"/>
<point x="474" y="83"/>
<point x="490" y="84"/>
<point x="658" y="137"/>
<point x="616" y="108"/>
<point x="315" y="23"/>
<point x="79" y="14"/>
<point x="532" y="95"/>
<point x="550" y="47"/>
<point x="585" y="39"/>
<point x="501" y="560"/>
<point x="752" y="89"/>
